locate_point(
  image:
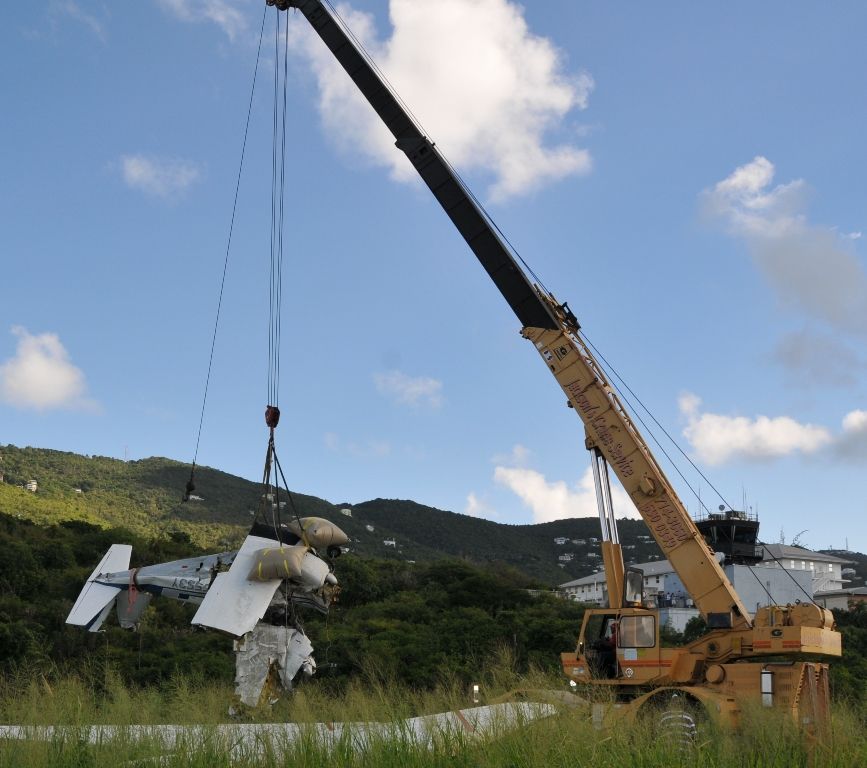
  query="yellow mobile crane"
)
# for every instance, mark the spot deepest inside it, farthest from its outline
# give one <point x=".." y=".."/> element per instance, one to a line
<point x="764" y="656"/>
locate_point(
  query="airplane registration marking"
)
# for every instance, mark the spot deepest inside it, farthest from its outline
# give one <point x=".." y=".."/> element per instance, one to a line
<point x="190" y="585"/>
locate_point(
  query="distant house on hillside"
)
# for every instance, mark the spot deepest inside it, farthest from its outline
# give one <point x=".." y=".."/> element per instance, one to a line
<point x="193" y="497"/>
<point x="31" y="485"/>
<point x="389" y="542"/>
<point x="368" y="528"/>
<point x="346" y="511"/>
<point x="560" y="541"/>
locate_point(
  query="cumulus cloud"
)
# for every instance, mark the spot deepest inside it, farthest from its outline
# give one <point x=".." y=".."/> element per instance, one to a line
<point x="477" y="508"/>
<point x="852" y="442"/>
<point x="159" y="177"/>
<point x="220" y="12"/>
<point x="556" y="500"/>
<point x="409" y="390"/>
<point x="812" y="268"/>
<point x="716" y="438"/>
<point x="489" y="91"/>
<point x="74" y="11"/>
<point x="41" y="376"/>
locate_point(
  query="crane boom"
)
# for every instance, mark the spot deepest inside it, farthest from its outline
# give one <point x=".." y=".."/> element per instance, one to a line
<point x="471" y="221"/>
<point x="553" y="330"/>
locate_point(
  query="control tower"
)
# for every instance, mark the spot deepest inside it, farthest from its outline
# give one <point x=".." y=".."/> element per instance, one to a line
<point x="733" y="533"/>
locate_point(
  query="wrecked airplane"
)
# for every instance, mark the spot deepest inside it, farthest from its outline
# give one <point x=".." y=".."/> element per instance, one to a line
<point x="250" y="594"/>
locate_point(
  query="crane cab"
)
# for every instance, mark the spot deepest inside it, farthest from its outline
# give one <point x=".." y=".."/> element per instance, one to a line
<point x="617" y="646"/>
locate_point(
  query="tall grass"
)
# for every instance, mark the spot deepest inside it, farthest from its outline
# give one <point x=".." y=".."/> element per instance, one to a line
<point x="568" y="738"/>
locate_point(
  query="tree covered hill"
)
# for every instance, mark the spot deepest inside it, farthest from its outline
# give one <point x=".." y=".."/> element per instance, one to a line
<point x="145" y="497"/>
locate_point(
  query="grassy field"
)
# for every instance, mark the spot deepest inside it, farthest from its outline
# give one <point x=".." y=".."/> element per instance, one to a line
<point x="564" y="739"/>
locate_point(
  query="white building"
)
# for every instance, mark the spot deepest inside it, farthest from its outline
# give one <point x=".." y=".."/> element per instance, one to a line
<point x="560" y="541"/>
<point x="389" y="542"/>
<point x="842" y="599"/>
<point x="31" y="486"/>
<point x="826" y="571"/>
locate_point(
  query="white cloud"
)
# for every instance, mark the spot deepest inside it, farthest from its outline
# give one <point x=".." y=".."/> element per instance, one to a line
<point x="220" y="12"/>
<point x="717" y="439"/>
<point x="477" y="508"/>
<point x="41" y="375"/>
<point x="852" y="443"/>
<point x="556" y="500"/>
<point x="518" y="456"/>
<point x="159" y="177"/>
<point x="74" y="11"/>
<point x="409" y="390"/>
<point x="488" y="90"/>
<point x="812" y="268"/>
<point x="855" y="421"/>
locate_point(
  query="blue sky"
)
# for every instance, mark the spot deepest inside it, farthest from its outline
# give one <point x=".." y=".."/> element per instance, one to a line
<point x="688" y="177"/>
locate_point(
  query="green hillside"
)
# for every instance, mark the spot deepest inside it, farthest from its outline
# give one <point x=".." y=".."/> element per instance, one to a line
<point x="145" y="497"/>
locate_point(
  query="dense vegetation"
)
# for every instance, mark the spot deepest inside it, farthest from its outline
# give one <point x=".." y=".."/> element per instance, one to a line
<point x="413" y="621"/>
<point x="849" y="674"/>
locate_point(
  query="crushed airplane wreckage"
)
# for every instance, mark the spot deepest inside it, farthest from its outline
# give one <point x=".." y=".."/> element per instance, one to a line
<point x="250" y="594"/>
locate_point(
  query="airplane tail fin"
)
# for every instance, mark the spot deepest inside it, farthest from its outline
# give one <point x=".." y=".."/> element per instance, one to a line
<point x="96" y="600"/>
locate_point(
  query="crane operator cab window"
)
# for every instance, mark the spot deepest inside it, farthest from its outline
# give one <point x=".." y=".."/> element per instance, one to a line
<point x="637" y="632"/>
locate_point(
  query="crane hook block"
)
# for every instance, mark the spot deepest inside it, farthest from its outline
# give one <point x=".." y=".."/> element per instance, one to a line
<point x="191" y="486"/>
<point x="272" y="416"/>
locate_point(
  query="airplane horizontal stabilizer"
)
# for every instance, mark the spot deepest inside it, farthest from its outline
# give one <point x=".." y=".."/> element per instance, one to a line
<point x="95" y="601"/>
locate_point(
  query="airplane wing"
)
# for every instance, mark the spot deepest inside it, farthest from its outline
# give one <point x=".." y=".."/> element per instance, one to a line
<point x="234" y="603"/>
<point x="95" y="601"/>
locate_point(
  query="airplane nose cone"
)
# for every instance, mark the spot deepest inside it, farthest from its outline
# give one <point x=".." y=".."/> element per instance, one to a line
<point x="331" y="579"/>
